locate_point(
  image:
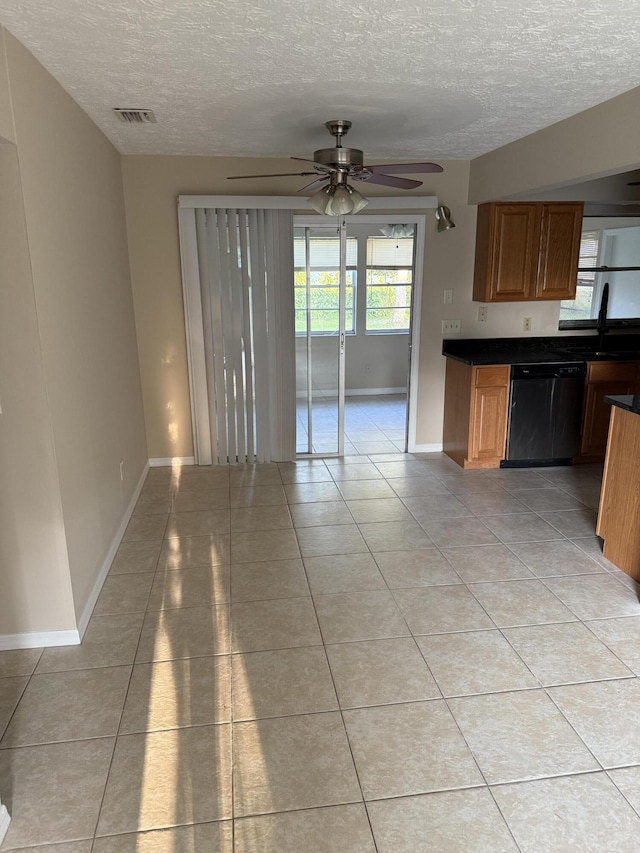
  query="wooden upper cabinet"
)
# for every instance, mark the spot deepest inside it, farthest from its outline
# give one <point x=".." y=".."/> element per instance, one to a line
<point x="506" y="252"/>
<point x="560" y="231"/>
<point x="527" y="251"/>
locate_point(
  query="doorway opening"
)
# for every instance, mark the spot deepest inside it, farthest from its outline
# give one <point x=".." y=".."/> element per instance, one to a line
<point x="357" y="299"/>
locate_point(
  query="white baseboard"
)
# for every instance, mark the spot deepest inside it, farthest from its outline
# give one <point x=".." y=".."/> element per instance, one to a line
<point x="39" y="639"/>
<point x="426" y="448"/>
<point x="5" y="820"/>
<point x="374" y="392"/>
<point x="106" y="565"/>
<point x="171" y="460"/>
<point x="44" y="639"/>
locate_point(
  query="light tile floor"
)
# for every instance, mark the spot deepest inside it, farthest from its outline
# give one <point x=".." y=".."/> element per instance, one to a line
<point x="372" y="654"/>
<point x="372" y="424"/>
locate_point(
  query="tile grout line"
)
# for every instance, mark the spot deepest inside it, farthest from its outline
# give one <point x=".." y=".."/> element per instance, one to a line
<point x="126" y="694"/>
<point x="339" y="704"/>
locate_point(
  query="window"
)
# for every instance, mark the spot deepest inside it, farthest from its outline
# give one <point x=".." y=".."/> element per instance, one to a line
<point x="581" y="308"/>
<point x="609" y="254"/>
<point x="324" y="284"/>
<point x="389" y="284"/>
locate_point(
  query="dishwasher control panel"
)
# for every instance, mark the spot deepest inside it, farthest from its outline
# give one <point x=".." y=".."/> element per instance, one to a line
<point x="549" y="371"/>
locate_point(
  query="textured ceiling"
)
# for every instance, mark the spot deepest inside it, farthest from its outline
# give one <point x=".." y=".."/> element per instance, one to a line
<point x="430" y="78"/>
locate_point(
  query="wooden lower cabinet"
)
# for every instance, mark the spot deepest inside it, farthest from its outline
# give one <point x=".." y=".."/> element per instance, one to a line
<point x="604" y="378"/>
<point x="476" y="404"/>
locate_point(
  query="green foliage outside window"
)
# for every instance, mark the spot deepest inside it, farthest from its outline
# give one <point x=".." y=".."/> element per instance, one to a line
<point x="388" y="300"/>
<point x="324" y="307"/>
<point x="388" y="286"/>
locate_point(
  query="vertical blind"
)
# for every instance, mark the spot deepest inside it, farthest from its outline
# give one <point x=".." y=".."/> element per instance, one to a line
<point x="245" y="260"/>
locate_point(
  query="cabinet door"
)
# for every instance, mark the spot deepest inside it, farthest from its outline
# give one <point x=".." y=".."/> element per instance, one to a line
<point x="489" y="423"/>
<point x="560" y="231"/>
<point x="597" y="413"/>
<point x="507" y="252"/>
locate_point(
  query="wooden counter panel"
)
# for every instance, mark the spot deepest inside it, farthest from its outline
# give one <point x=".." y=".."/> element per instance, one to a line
<point x="619" y="515"/>
<point x="455" y="433"/>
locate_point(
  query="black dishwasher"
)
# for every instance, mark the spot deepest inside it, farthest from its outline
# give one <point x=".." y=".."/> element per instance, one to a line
<point x="545" y="414"/>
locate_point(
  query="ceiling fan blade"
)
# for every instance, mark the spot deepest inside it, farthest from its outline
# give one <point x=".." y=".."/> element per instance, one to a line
<point x="405" y="168"/>
<point x="282" y="175"/>
<point x="314" y="185"/>
<point x="390" y="181"/>
<point x="318" y="166"/>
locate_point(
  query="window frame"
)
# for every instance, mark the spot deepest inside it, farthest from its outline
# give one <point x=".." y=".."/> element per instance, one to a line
<point x="350" y="268"/>
<point x="592" y="322"/>
<point x="411" y="285"/>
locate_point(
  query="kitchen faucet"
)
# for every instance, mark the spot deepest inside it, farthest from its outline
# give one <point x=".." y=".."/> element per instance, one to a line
<point x="602" y="316"/>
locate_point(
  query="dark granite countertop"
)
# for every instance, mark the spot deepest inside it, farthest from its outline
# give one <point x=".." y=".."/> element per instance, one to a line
<point x="547" y="350"/>
<point x="630" y="402"/>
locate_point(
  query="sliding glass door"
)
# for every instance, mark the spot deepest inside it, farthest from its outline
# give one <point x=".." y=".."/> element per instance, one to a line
<point x="325" y="263"/>
<point x="355" y="283"/>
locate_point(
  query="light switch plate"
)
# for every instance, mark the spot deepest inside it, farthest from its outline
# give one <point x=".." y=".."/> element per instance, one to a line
<point x="450" y="327"/>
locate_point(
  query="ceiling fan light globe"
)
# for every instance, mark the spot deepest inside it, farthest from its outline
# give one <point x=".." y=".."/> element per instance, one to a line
<point x="319" y="201"/>
<point x="358" y="201"/>
<point x="340" y="203"/>
<point x="397" y="231"/>
<point x="337" y="200"/>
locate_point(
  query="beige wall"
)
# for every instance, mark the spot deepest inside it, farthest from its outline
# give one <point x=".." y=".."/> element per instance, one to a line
<point x="77" y="250"/>
<point x="35" y="589"/>
<point x="597" y="142"/>
<point x="371" y="361"/>
<point x="7" y="132"/>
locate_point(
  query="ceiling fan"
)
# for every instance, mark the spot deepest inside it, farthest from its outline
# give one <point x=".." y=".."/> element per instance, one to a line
<point x="334" y="167"/>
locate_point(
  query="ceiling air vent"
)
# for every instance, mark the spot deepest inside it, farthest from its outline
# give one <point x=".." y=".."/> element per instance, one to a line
<point x="131" y="116"/>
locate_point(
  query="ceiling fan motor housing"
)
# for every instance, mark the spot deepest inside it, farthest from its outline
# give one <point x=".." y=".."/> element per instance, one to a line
<point x="345" y="157"/>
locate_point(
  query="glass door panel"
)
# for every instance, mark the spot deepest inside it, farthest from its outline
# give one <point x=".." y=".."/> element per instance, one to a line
<point x="323" y="302"/>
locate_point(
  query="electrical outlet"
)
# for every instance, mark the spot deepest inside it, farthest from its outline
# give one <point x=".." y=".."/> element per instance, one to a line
<point x="122" y="470"/>
<point x="450" y="327"/>
<point x="526" y="324"/>
<point x="482" y="314"/>
<point x="448" y="297"/>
